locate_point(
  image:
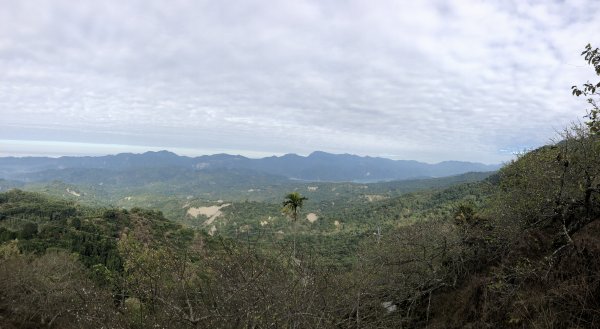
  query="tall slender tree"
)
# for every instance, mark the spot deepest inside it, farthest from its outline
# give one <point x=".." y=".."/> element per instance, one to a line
<point x="291" y="205"/>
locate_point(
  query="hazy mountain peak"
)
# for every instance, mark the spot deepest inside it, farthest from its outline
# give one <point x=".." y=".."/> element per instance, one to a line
<point x="317" y="166"/>
<point x="161" y="153"/>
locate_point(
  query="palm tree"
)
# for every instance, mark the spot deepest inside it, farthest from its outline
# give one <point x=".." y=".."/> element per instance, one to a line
<point x="291" y="204"/>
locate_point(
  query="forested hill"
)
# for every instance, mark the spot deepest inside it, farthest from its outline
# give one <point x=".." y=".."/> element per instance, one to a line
<point x="519" y="249"/>
<point x="318" y="166"/>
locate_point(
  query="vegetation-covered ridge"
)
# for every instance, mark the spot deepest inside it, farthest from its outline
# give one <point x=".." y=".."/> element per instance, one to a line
<point x="519" y="249"/>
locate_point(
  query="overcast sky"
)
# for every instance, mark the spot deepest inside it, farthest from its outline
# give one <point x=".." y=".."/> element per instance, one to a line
<point x="423" y="80"/>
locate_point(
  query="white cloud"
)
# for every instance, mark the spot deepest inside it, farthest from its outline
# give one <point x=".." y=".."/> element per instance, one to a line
<point x="431" y="80"/>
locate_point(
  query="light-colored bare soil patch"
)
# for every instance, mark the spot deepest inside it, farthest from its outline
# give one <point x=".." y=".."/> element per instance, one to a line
<point x="73" y="192"/>
<point x="212" y="212"/>
<point x="312" y="217"/>
<point x="312" y="188"/>
<point x="375" y="197"/>
<point x="212" y="230"/>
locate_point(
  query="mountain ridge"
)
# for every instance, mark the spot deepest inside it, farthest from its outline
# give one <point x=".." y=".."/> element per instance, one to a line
<point x="317" y="166"/>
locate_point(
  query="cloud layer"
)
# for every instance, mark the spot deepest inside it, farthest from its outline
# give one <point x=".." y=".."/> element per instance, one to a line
<point x="431" y="80"/>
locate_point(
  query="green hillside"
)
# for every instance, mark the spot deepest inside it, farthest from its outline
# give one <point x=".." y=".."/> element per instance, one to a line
<point x="517" y="249"/>
<point x="187" y="189"/>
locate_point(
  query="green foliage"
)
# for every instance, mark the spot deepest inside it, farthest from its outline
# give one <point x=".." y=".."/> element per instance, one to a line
<point x="589" y="89"/>
<point x="529" y="186"/>
<point x="52" y="290"/>
<point x="293" y="201"/>
<point x="7" y="235"/>
<point x="41" y="223"/>
<point x="553" y="183"/>
<point x="465" y="214"/>
<point x="28" y="231"/>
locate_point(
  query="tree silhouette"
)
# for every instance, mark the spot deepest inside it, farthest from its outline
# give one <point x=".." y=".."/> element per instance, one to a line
<point x="291" y="204"/>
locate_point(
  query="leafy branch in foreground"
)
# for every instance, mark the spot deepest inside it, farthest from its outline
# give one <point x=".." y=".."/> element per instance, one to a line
<point x="589" y="89"/>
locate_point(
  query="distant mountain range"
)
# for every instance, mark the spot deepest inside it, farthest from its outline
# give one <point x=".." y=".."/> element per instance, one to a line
<point x="318" y="166"/>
